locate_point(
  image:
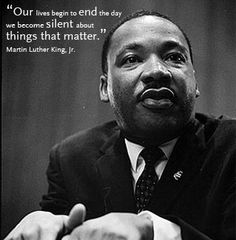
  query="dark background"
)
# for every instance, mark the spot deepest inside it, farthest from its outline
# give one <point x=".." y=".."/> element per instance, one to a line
<point x="47" y="97"/>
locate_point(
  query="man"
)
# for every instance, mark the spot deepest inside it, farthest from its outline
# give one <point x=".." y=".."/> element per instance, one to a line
<point x="189" y="193"/>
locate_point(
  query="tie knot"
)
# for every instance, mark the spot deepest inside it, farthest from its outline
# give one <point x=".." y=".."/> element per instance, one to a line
<point x="151" y="155"/>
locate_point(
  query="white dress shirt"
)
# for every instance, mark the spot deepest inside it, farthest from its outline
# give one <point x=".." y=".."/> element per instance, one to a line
<point x="162" y="228"/>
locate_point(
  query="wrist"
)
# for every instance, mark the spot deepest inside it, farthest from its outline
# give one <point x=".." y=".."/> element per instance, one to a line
<point x="162" y="228"/>
<point x="148" y="225"/>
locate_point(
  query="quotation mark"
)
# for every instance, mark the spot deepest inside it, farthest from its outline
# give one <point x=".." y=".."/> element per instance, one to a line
<point x="103" y="30"/>
<point x="9" y="6"/>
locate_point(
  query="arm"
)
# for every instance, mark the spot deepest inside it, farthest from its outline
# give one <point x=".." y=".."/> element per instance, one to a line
<point x="53" y="221"/>
<point x="125" y="226"/>
<point x="226" y="217"/>
<point x="55" y="200"/>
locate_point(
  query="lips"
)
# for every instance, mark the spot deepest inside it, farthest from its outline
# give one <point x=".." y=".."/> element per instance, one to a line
<point x="157" y="98"/>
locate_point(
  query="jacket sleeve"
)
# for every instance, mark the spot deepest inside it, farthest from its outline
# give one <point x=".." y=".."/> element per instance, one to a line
<point x="188" y="232"/>
<point x="55" y="200"/>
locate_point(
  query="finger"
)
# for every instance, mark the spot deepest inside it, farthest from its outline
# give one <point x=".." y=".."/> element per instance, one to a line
<point x="76" y="216"/>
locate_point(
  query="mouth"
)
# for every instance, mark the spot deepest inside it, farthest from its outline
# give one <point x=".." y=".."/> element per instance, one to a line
<point x="158" y="98"/>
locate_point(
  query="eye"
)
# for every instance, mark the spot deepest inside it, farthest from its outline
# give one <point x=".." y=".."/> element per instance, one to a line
<point x="175" y="58"/>
<point x="131" y="60"/>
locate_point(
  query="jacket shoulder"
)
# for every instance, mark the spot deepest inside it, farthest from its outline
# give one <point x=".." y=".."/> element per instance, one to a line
<point x="87" y="140"/>
<point x="222" y="129"/>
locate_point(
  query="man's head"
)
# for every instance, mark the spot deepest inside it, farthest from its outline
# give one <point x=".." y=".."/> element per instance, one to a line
<point x="148" y="77"/>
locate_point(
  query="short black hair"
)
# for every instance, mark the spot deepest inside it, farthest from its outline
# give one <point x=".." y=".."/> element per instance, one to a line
<point x="137" y="14"/>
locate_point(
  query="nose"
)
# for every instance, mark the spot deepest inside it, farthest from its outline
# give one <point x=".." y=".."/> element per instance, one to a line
<point x="155" y="70"/>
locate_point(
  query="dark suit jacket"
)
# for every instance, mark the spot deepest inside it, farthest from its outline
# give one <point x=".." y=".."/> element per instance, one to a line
<point x="93" y="168"/>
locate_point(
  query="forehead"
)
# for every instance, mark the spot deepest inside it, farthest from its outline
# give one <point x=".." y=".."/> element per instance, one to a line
<point x="146" y="29"/>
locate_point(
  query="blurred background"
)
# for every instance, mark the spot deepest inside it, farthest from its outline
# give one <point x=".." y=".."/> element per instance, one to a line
<point x="48" y="96"/>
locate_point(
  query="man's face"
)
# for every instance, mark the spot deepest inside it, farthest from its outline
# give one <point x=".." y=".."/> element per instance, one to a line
<point x="150" y="82"/>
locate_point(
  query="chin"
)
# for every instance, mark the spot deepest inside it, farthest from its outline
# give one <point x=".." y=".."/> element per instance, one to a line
<point x="160" y="126"/>
<point x="159" y="130"/>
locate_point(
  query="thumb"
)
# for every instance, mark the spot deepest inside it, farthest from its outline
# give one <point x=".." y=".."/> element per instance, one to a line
<point x="76" y="217"/>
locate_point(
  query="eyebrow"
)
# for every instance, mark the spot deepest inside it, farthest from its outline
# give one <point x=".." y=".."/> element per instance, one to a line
<point x="174" y="44"/>
<point x="170" y="44"/>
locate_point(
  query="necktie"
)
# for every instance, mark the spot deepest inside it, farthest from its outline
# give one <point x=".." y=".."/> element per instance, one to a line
<point x="146" y="182"/>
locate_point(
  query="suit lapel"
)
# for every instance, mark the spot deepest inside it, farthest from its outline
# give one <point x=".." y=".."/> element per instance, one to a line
<point x="116" y="179"/>
<point x="184" y="164"/>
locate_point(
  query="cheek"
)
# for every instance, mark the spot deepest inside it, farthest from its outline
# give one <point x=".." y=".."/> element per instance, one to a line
<point x="116" y="90"/>
<point x="123" y="83"/>
<point x="185" y="80"/>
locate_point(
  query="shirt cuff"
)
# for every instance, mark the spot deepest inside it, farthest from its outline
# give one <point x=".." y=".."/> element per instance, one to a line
<point x="162" y="228"/>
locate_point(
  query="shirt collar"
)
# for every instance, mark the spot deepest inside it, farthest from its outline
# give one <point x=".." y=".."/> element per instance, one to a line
<point x="134" y="150"/>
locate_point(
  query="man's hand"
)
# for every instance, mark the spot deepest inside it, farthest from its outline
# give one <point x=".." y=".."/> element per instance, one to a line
<point x="42" y="225"/>
<point x="125" y="226"/>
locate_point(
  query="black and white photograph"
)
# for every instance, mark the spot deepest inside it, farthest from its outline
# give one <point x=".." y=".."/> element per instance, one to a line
<point x="118" y="120"/>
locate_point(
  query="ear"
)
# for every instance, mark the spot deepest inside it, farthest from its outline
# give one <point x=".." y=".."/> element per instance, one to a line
<point x="103" y="88"/>
<point x="197" y="92"/>
<point x="197" y="89"/>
